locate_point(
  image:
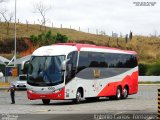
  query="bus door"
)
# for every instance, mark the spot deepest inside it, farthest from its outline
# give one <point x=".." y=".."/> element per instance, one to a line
<point x="71" y="69"/>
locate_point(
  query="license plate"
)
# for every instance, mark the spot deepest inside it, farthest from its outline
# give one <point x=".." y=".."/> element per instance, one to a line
<point x="42" y="96"/>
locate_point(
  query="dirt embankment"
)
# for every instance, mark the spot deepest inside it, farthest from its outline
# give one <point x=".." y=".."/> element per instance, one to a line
<point x="30" y="49"/>
<point x="24" y="46"/>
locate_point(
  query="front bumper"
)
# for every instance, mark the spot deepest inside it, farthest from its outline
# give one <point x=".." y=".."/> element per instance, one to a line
<point x="21" y="86"/>
<point x="53" y="96"/>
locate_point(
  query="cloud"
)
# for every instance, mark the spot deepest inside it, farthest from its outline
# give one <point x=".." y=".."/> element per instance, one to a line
<point x="108" y="15"/>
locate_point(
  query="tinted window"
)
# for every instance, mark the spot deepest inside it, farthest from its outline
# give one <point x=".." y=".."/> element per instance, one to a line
<point x="45" y="70"/>
<point x="115" y="60"/>
<point x="71" y="67"/>
<point x="23" y="77"/>
<point x="107" y="60"/>
<point x="97" y="59"/>
<point x="83" y="61"/>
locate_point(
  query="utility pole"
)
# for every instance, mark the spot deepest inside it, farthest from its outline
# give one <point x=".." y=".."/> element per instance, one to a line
<point x="15" y="31"/>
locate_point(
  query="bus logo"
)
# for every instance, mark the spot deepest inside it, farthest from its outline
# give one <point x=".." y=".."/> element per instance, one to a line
<point x="51" y="88"/>
<point x="96" y="73"/>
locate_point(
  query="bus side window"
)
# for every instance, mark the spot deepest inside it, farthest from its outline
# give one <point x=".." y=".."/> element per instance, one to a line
<point x="83" y="61"/>
<point x="93" y="59"/>
<point x="71" y="65"/>
<point x="116" y="60"/>
<point x="97" y="60"/>
<point x="102" y="62"/>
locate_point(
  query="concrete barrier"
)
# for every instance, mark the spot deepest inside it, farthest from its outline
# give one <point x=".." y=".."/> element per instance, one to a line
<point x="149" y="78"/>
<point x="4" y="85"/>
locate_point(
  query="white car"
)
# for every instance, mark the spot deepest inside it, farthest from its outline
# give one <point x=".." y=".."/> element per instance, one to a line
<point x="21" y="83"/>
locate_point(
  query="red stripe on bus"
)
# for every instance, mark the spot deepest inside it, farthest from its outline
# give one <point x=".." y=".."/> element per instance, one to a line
<point x="131" y="81"/>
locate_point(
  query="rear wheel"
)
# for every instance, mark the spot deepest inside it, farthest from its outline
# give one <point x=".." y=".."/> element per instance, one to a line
<point x="46" y="101"/>
<point x="118" y="93"/>
<point x="125" y="93"/>
<point x="78" y="97"/>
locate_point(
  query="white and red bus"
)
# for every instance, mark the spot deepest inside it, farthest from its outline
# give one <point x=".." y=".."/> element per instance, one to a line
<point x="75" y="71"/>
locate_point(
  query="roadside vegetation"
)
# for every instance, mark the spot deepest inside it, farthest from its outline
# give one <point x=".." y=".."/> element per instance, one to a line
<point x="149" y="69"/>
<point x="46" y="38"/>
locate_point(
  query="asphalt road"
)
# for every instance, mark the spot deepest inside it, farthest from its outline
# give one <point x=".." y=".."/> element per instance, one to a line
<point x="143" y="102"/>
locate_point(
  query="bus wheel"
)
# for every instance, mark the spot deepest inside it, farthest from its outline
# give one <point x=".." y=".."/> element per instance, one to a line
<point x="78" y="97"/>
<point x="118" y="93"/>
<point x="125" y="93"/>
<point x="46" y="101"/>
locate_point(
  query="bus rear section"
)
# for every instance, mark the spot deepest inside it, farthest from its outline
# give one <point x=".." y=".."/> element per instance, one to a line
<point x="75" y="71"/>
<point x="103" y="72"/>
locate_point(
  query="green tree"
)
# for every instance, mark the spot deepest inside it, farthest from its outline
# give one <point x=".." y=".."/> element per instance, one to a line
<point x="142" y="69"/>
<point x="59" y="38"/>
<point x="154" y="69"/>
<point x="33" y="39"/>
<point x="47" y="38"/>
<point x="42" y="38"/>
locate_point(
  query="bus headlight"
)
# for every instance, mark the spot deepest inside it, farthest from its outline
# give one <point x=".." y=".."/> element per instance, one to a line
<point x="58" y="90"/>
<point x="30" y="91"/>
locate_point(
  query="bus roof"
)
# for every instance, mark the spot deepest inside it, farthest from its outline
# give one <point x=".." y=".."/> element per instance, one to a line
<point x="90" y="47"/>
<point x="66" y="48"/>
<point x="54" y="50"/>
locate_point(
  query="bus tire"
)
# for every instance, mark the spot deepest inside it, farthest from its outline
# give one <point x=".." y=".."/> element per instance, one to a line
<point x="78" y="97"/>
<point x="118" y="93"/>
<point x="46" y="101"/>
<point x="125" y="92"/>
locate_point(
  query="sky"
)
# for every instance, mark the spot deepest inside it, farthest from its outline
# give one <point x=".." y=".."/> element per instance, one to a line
<point x="119" y="16"/>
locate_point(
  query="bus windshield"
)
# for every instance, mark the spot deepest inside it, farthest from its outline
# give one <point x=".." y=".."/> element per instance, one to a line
<point x="45" y="70"/>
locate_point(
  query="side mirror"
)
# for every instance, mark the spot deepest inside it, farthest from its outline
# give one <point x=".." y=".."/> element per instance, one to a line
<point x="23" y="63"/>
<point x="64" y="64"/>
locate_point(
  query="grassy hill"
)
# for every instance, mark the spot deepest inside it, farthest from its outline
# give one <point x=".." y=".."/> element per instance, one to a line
<point x="147" y="47"/>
